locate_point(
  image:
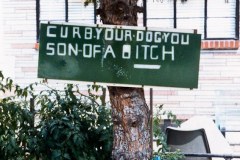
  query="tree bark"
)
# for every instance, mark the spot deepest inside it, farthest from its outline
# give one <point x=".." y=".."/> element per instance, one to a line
<point x="130" y="116"/>
<point x="130" y="113"/>
<point x="119" y="12"/>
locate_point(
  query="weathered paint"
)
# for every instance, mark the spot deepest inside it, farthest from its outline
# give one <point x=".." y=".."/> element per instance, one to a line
<point x="114" y="55"/>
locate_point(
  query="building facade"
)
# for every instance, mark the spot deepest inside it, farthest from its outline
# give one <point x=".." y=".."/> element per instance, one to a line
<point x="218" y="90"/>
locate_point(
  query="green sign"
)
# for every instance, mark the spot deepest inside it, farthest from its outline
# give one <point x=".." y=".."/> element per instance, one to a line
<point x="113" y="55"/>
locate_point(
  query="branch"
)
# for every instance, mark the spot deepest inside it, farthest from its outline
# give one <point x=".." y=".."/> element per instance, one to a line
<point x="139" y="9"/>
<point x="98" y="11"/>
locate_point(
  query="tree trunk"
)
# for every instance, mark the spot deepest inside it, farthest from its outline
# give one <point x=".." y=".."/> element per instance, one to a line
<point x="130" y="116"/>
<point x="130" y="113"/>
<point x="119" y="12"/>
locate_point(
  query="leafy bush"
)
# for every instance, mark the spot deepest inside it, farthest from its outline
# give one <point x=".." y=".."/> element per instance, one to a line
<point x="61" y="124"/>
<point x="70" y="125"/>
<point x="74" y="125"/>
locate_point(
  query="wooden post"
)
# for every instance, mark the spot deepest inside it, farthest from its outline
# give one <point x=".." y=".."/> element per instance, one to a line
<point x="32" y="110"/>
<point x="167" y="123"/>
<point x="104" y="96"/>
<point x="151" y="118"/>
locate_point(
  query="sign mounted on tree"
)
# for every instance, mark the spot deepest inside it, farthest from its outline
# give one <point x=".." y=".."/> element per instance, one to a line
<point x="114" y="55"/>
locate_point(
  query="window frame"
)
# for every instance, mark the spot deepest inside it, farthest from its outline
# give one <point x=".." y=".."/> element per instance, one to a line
<point x="236" y="23"/>
<point x="205" y="19"/>
<point x="38" y="9"/>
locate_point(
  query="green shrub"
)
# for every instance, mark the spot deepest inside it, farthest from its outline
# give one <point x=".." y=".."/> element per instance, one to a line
<point x="61" y="124"/>
<point x="70" y="125"/>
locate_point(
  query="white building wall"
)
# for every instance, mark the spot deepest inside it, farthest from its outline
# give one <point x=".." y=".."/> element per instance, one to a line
<point x="6" y="62"/>
<point x="1" y="29"/>
<point x="219" y="69"/>
<point x="19" y="38"/>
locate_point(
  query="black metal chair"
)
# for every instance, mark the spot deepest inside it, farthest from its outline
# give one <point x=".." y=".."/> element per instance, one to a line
<point x="188" y="141"/>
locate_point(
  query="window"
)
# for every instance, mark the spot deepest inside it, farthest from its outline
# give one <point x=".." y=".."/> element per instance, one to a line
<point x="64" y="11"/>
<point x="214" y="19"/>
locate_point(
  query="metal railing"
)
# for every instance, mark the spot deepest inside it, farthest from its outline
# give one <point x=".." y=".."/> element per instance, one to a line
<point x="225" y="156"/>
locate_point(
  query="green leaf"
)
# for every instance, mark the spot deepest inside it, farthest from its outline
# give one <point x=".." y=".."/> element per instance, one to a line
<point x="13" y="142"/>
<point x="44" y="133"/>
<point x="65" y="118"/>
<point x="3" y="90"/>
<point x="104" y="137"/>
<point x="100" y="128"/>
<point x="56" y="134"/>
<point x="1" y="75"/>
<point x="92" y="158"/>
<point x="25" y="94"/>
<point x="66" y="155"/>
<point x="75" y="137"/>
<point x="56" y="154"/>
